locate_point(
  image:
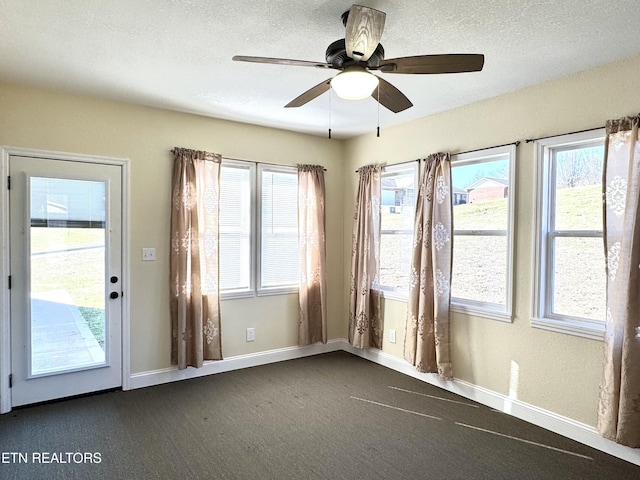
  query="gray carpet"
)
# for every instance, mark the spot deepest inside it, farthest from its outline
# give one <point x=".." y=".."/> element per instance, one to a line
<point x="332" y="416"/>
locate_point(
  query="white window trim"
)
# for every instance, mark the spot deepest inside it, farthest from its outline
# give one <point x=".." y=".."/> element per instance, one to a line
<point x="237" y="293"/>
<point x="249" y="292"/>
<point x="502" y="313"/>
<point x="392" y="293"/>
<point x="491" y="311"/>
<point x="541" y="318"/>
<point x="255" y="176"/>
<point x="280" y="289"/>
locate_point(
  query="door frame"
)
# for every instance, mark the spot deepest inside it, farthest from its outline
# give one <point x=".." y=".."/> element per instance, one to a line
<point x="5" y="311"/>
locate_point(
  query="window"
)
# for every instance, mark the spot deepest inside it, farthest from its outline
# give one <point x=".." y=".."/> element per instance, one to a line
<point x="397" y="215"/>
<point x="570" y="283"/>
<point x="483" y="206"/>
<point x="258" y="251"/>
<point x="279" y="259"/>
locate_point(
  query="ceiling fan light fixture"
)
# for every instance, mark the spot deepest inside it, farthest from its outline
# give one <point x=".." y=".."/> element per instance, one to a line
<point x="354" y="84"/>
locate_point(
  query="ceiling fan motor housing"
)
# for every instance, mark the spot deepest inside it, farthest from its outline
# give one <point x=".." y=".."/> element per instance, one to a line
<point x="337" y="56"/>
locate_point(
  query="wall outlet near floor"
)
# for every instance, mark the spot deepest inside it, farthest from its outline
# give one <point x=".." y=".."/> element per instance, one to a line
<point x="148" y="254"/>
<point x="392" y="336"/>
<point x="251" y="334"/>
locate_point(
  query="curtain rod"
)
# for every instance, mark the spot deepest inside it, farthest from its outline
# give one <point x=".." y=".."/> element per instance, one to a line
<point x="262" y="163"/>
<point x="471" y="151"/>
<point x="416" y="160"/>
<point x="487" y="148"/>
<point x="529" y="140"/>
<point x="253" y="161"/>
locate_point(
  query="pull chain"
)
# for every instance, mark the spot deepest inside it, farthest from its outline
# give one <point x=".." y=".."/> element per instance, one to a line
<point x="330" y="113"/>
<point x="378" y="129"/>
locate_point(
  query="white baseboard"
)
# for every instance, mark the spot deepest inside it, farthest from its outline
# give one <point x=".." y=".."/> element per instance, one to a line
<point x="559" y="424"/>
<point x="172" y="374"/>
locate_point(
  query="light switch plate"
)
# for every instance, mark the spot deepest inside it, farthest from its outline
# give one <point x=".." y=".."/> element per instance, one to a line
<point x="148" y="254"/>
<point x="392" y="336"/>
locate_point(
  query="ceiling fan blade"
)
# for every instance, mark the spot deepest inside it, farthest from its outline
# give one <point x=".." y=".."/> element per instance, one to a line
<point x="310" y="94"/>
<point x="281" y="61"/>
<point x="363" y="32"/>
<point x="426" y="64"/>
<point x="390" y="97"/>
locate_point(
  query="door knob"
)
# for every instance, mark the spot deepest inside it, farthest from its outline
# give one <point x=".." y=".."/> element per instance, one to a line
<point x="114" y="295"/>
<point x="114" y="279"/>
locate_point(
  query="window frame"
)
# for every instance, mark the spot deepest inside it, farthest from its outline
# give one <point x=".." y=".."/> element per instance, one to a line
<point x="542" y="315"/>
<point x="255" y="260"/>
<point x="493" y="311"/>
<point x="389" y="292"/>
<point x="260" y="289"/>
<point x="233" y="293"/>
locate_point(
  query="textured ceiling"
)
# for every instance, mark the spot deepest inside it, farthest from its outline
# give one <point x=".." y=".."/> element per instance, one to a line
<point x="176" y="54"/>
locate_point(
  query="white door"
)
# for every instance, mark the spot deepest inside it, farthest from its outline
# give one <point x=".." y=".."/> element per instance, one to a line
<point x="66" y="307"/>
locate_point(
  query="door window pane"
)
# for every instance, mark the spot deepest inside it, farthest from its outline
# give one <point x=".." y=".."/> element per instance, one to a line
<point x="67" y="274"/>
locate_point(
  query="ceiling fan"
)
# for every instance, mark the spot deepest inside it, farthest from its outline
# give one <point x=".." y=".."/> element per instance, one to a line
<point x="360" y="53"/>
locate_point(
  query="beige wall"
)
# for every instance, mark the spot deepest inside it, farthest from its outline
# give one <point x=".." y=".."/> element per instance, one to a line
<point x="31" y="118"/>
<point x="553" y="371"/>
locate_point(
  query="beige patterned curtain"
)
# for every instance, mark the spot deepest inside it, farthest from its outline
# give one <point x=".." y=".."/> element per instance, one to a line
<point x="619" y="407"/>
<point x="427" y="343"/>
<point x="365" y="324"/>
<point x="195" y="303"/>
<point x="312" y="320"/>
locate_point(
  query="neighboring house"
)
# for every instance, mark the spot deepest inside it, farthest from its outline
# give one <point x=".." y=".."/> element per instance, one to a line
<point x="488" y="188"/>
<point x="395" y="195"/>
<point x="460" y="196"/>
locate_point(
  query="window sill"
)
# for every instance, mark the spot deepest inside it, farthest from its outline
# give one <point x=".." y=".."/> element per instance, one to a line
<point x="399" y="295"/>
<point x="232" y="295"/>
<point x="478" y="311"/>
<point x="578" y="329"/>
<point x="265" y="292"/>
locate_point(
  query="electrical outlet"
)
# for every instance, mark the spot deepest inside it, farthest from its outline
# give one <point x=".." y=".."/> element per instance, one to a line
<point x="251" y="334"/>
<point x="392" y="336"/>
<point x="148" y="254"/>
